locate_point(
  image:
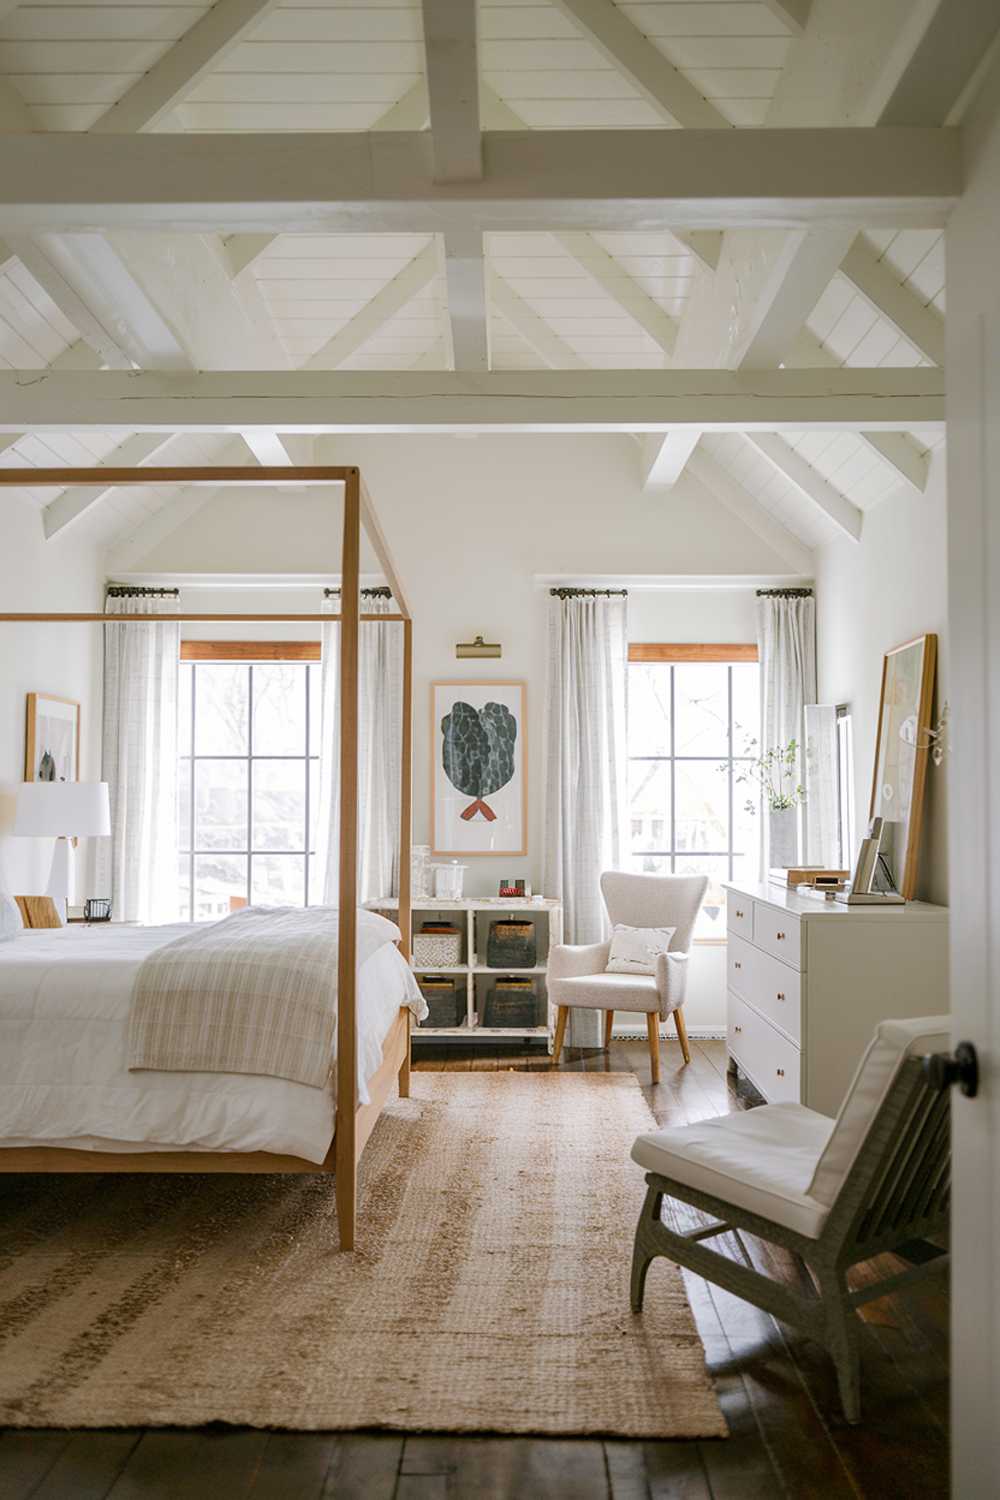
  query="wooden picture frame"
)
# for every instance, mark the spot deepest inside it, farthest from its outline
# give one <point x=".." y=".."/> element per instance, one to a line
<point x="43" y="709"/>
<point x="463" y="823"/>
<point x="902" y="746"/>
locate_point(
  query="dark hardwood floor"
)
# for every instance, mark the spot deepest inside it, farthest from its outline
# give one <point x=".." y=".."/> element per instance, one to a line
<point x="777" y="1390"/>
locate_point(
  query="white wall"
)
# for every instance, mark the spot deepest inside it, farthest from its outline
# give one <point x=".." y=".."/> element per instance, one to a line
<point x="870" y="596"/>
<point x="60" y="659"/>
<point x="472" y="523"/>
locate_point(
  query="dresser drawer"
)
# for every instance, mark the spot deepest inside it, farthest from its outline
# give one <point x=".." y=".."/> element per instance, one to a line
<point x="770" y="1060"/>
<point x="739" y="914"/>
<point x="778" y="933"/>
<point x="740" y="964"/>
<point x="775" y="989"/>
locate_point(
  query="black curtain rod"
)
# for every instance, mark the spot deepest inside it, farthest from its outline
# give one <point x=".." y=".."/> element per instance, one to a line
<point x="589" y="593"/>
<point x="784" y="593"/>
<point x="381" y="592"/>
<point x="135" y="591"/>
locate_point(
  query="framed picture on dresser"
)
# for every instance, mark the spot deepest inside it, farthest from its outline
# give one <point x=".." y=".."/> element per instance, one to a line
<point x="52" y="739"/>
<point x="902" y="746"/>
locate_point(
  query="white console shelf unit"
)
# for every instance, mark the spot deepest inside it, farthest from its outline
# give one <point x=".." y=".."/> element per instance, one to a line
<point x="472" y="915"/>
<point x="809" y="979"/>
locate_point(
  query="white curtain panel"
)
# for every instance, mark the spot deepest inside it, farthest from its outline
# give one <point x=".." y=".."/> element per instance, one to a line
<point x="380" y="709"/>
<point x="786" y="642"/>
<point x="139" y="761"/>
<point x="586" y="766"/>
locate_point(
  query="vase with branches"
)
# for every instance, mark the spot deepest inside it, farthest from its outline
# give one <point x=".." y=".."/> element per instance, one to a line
<point x="776" y="773"/>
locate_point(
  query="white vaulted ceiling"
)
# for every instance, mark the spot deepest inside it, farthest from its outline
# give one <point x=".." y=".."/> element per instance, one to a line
<point x="636" y="299"/>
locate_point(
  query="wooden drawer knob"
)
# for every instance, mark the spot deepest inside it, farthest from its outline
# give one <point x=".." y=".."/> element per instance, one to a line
<point x="781" y="1072"/>
<point x="780" y="995"/>
<point x="780" y="936"/>
<point x="739" y="914"/>
<point x="737" y="964"/>
<point x="737" y="1028"/>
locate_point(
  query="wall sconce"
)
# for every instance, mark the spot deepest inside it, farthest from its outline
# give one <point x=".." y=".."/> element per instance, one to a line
<point x="478" y="648"/>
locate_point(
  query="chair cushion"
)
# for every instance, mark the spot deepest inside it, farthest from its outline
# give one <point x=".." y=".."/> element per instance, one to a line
<point x="607" y="992"/>
<point x="892" y="1044"/>
<point x="634" y="950"/>
<point x="760" y="1159"/>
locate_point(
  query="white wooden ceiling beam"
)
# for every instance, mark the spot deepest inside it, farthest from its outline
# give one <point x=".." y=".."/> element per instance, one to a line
<point x="794" y="13"/>
<point x="875" y="281"/>
<point x="452" y="58"/>
<point x="674" y="98"/>
<point x="534" y="330"/>
<point x="15" y="116"/>
<point x="704" y="244"/>
<point x="615" y="281"/>
<point x="198" y="52"/>
<point x="665" y="458"/>
<point x="954" y="43"/>
<point x="291" y="401"/>
<point x="72" y="504"/>
<point x="748" y="509"/>
<point x="7" y="257"/>
<point x="351" y="182"/>
<point x="100" y="333"/>
<point x="393" y="297"/>
<point x="802" y="271"/>
<point x="834" y="506"/>
<point x="408" y="113"/>
<point x="465" y="290"/>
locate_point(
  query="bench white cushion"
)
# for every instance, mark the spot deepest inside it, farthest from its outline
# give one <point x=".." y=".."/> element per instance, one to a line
<point x="760" y="1159"/>
<point x="892" y="1044"/>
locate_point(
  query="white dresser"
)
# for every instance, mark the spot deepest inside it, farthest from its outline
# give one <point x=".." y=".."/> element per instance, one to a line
<point x="809" y="979"/>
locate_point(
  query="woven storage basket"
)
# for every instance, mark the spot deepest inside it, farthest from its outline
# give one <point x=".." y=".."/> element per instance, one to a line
<point x="511" y="1002"/>
<point x="511" y="945"/>
<point x="438" y="943"/>
<point x="445" y="1004"/>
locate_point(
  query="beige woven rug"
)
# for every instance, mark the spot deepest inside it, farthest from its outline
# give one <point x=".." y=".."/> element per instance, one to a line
<point x="489" y="1292"/>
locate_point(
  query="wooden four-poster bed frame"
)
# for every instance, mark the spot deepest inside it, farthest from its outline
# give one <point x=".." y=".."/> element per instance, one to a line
<point x="353" y="1123"/>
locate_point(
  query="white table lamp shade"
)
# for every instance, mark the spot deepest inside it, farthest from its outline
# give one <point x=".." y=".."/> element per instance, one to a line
<point x="62" y="809"/>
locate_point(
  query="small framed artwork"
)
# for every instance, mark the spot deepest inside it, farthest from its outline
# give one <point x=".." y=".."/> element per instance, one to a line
<point x="52" y="739"/>
<point x="479" y="798"/>
<point x="902" y="745"/>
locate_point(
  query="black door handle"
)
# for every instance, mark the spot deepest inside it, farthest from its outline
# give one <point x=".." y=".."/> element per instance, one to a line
<point x="942" y="1069"/>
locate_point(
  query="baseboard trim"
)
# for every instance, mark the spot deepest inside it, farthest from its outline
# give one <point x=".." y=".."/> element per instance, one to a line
<point x="667" y="1033"/>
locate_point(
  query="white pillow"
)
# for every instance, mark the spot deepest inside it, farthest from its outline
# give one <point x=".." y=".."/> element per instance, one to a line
<point x="10" y="917"/>
<point x="634" y="950"/>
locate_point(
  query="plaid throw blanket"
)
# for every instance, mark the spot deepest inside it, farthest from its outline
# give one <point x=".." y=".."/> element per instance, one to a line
<point x="254" y="993"/>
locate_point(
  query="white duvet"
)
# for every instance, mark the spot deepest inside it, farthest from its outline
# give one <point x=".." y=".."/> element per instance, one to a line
<point x="64" y="1080"/>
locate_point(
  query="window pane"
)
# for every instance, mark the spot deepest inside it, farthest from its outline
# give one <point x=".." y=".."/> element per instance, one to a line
<point x="220" y="885"/>
<point x="279" y="708"/>
<point x="221" y="697"/>
<point x="746" y="828"/>
<point x="315" y="882"/>
<point x="701" y="703"/>
<point x="279" y="804"/>
<point x="183" y="888"/>
<point x="185" y="675"/>
<point x="315" y="706"/>
<point x="184" y="803"/>
<point x="712" y="917"/>
<point x="649" y="804"/>
<point x="278" y="880"/>
<point x="746" y="708"/>
<point x="220" y="804"/>
<point x="701" y="817"/>
<point x="313" y="803"/>
<point x="650" y="864"/>
<point x="649" y="708"/>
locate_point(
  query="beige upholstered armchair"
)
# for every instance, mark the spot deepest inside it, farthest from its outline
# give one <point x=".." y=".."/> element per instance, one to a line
<point x="577" y="974"/>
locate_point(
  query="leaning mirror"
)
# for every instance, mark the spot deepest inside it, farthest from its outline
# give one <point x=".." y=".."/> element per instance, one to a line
<point x="901" y="748"/>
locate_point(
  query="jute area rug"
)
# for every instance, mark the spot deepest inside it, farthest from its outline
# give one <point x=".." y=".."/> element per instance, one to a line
<point x="489" y="1292"/>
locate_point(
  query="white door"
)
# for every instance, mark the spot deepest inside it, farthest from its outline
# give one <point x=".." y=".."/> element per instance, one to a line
<point x="973" y="381"/>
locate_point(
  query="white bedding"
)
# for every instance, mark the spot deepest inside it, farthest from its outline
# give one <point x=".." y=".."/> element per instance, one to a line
<point x="64" y="1078"/>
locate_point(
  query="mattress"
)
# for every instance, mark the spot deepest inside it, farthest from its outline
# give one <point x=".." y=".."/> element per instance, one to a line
<point x="64" y="1079"/>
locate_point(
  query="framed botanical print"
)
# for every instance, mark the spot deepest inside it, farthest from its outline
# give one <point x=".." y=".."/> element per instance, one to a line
<point x="52" y="739"/>
<point x="479" y="798"/>
<point x="901" y="748"/>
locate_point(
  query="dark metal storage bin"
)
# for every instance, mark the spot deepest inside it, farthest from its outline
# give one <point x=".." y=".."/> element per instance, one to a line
<point x="511" y="1002"/>
<point x="511" y="945"/>
<point x="445" y="1003"/>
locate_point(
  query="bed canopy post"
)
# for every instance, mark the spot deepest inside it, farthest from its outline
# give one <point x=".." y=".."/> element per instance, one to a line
<point x="345" y="1137"/>
<point x="406" y="830"/>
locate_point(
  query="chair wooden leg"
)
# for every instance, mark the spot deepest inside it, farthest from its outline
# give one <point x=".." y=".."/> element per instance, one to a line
<point x="842" y="1333"/>
<point x="653" y="1027"/>
<point x="609" y="1021"/>
<point x="682" y="1034"/>
<point x="562" y="1016"/>
<point x="642" y="1256"/>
